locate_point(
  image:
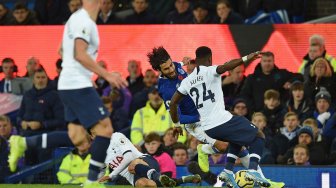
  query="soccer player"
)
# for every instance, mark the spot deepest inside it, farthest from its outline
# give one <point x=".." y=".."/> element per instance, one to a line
<point x="140" y="170"/>
<point x="203" y="85"/>
<point x="83" y="108"/>
<point x="171" y="76"/>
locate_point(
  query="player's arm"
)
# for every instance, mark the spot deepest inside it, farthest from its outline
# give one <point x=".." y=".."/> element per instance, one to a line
<point x="176" y="99"/>
<point x="81" y="55"/>
<point x="236" y="62"/>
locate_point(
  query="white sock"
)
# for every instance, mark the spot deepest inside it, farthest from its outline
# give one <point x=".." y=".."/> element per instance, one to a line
<point x="228" y="171"/>
<point x="245" y="161"/>
<point x="207" y="148"/>
<point x="260" y="172"/>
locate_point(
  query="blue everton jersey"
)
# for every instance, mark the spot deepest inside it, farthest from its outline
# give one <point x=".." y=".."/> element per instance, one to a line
<point x="167" y="87"/>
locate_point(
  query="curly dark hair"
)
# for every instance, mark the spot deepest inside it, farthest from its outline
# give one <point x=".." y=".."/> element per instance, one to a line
<point x="157" y="57"/>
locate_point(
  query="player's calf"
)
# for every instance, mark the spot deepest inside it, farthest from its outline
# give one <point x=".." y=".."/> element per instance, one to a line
<point x="144" y="182"/>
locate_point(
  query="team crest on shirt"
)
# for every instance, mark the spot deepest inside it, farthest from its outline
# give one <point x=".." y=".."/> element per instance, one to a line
<point x="181" y="71"/>
<point x="122" y="141"/>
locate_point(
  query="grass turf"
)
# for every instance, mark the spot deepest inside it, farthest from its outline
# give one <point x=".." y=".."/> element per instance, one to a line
<point x="49" y="186"/>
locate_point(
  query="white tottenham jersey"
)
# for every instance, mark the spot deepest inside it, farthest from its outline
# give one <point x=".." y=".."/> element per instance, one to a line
<point x="119" y="146"/>
<point x="204" y="86"/>
<point x="74" y="75"/>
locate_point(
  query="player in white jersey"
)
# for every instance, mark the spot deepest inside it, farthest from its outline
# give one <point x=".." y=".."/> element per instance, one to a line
<point x="140" y="170"/>
<point x="203" y="85"/>
<point x="83" y="108"/>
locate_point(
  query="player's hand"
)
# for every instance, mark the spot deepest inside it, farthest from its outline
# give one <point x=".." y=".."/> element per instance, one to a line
<point x="34" y="125"/>
<point x="104" y="179"/>
<point x="177" y="131"/>
<point x="116" y="80"/>
<point x="186" y="61"/>
<point x="253" y="56"/>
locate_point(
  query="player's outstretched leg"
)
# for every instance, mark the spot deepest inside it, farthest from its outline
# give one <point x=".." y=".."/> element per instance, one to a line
<point x="256" y="148"/>
<point x="18" y="144"/>
<point x="208" y="177"/>
<point x="245" y="160"/>
<point x="196" y="178"/>
<point x="146" y="171"/>
<point x="227" y="174"/>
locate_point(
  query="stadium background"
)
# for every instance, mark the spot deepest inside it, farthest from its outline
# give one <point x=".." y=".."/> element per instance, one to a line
<point x="119" y="43"/>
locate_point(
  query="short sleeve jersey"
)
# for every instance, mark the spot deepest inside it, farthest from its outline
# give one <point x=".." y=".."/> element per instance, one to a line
<point x="74" y="75"/>
<point x="204" y="86"/>
<point x="167" y="88"/>
<point x="119" y="146"/>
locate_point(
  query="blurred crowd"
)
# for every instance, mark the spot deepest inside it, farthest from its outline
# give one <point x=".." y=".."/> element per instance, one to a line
<point x="295" y="110"/>
<point x="46" y="12"/>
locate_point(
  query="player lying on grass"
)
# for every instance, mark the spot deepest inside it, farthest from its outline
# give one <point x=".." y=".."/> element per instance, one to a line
<point x="140" y="170"/>
<point x="171" y="76"/>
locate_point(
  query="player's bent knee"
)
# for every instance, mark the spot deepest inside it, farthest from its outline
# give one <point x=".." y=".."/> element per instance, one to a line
<point x="144" y="182"/>
<point x="77" y="134"/>
<point x="103" y="128"/>
<point x="221" y="146"/>
<point x="132" y="165"/>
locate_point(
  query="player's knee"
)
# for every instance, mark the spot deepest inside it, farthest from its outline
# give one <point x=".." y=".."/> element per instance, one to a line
<point x="221" y="146"/>
<point x="103" y="128"/>
<point x="260" y="134"/>
<point x="131" y="166"/>
<point x="144" y="182"/>
<point x="76" y="134"/>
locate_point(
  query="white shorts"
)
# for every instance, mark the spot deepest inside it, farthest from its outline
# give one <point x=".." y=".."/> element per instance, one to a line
<point x="196" y="131"/>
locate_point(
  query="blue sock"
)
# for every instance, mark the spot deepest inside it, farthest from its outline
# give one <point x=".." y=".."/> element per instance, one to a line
<point x="49" y="140"/>
<point x="232" y="155"/>
<point x="256" y="149"/>
<point x="146" y="172"/>
<point x="98" y="154"/>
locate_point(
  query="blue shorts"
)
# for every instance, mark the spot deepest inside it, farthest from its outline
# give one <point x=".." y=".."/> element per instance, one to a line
<point x="151" y="163"/>
<point x="83" y="106"/>
<point x="238" y="130"/>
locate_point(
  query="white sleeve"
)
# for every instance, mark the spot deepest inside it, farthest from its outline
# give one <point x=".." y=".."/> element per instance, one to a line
<point x="212" y="70"/>
<point x="183" y="87"/>
<point x="82" y="30"/>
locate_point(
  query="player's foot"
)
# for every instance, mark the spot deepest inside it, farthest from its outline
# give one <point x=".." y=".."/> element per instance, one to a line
<point x="192" y="179"/>
<point x="203" y="159"/>
<point x="276" y="184"/>
<point x="167" y="181"/>
<point x="228" y="178"/>
<point x="93" y="185"/>
<point x="208" y="177"/>
<point x="219" y="183"/>
<point x="253" y="175"/>
<point x="17" y="145"/>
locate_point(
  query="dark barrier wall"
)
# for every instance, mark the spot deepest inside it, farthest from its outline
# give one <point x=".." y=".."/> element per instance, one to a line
<point x="122" y="43"/>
